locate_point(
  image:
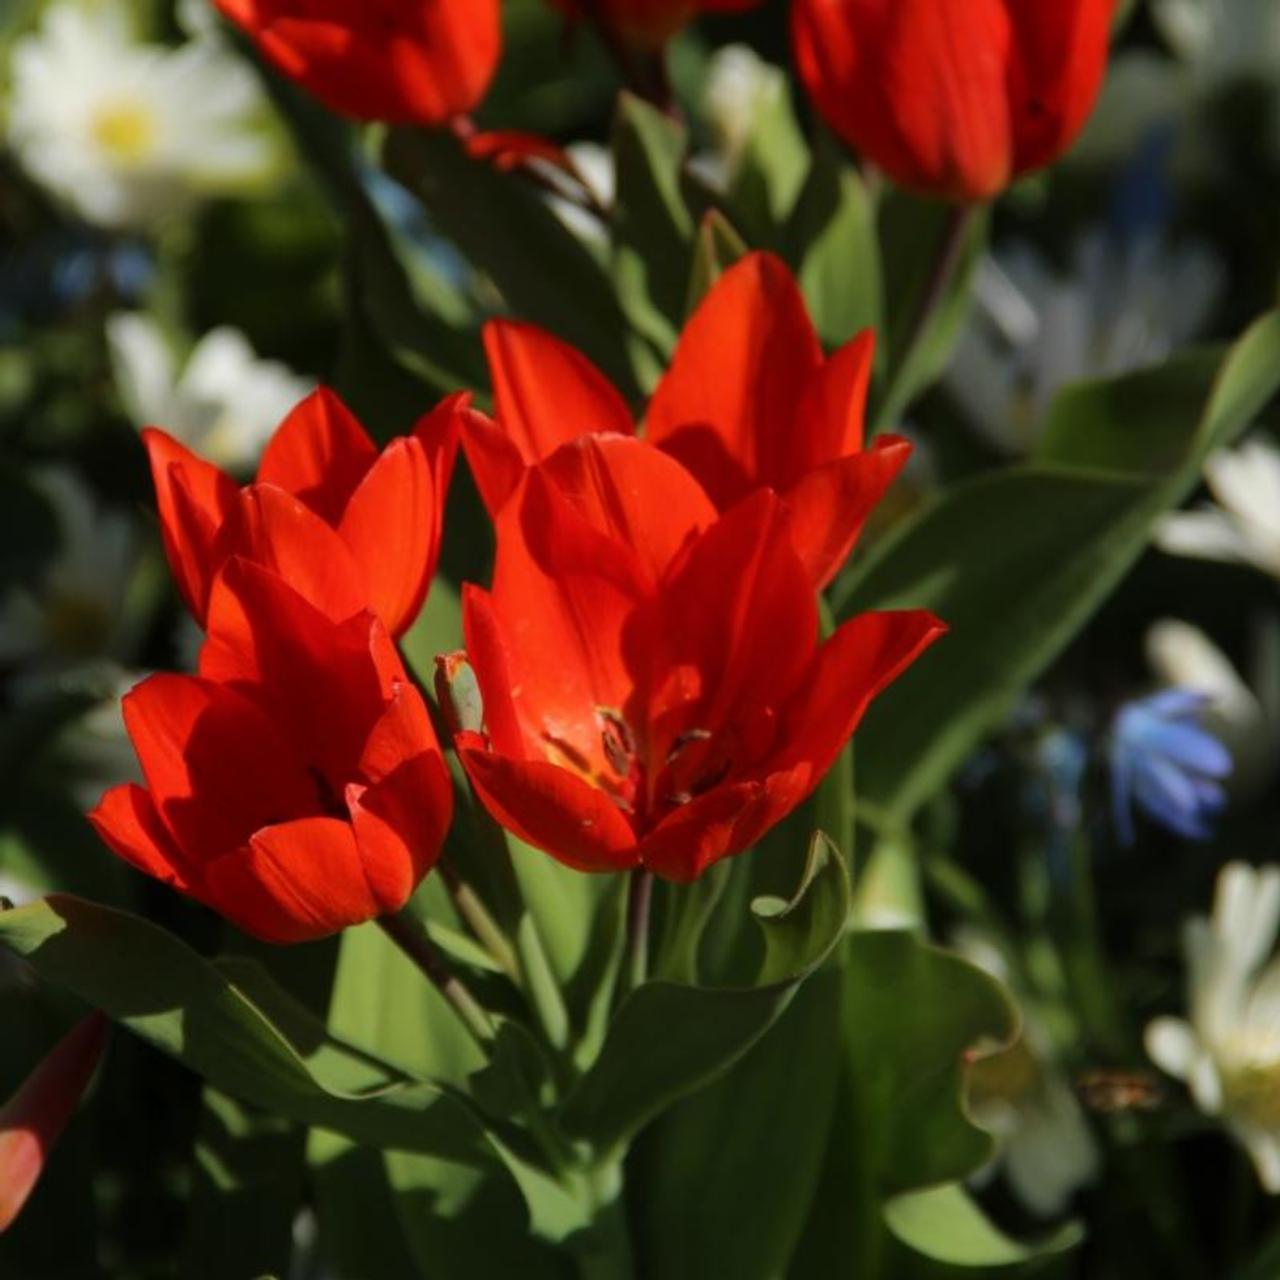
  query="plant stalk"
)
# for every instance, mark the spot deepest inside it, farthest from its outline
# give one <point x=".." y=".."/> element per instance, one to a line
<point x="639" y="910"/>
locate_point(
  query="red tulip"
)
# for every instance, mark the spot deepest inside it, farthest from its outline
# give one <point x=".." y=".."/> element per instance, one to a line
<point x="654" y="690"/>
<point x="954" y="98"/>
<point x="294" y="785"/>
<point x="402" y="61"/>
<point x="749" y="402"/>
<point x="32" y="1121"/>
<point x="648" y="24"/>
<point x="346" y="525"/>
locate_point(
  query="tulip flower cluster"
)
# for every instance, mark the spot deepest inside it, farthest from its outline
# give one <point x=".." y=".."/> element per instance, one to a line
<point x="655" y="692"/>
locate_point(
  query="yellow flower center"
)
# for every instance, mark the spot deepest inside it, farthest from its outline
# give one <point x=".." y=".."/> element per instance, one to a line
<point x="126" y="130"/>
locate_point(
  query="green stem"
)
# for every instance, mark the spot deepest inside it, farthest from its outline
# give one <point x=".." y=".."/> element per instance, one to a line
<point x="946" y="261"/>
<point x="409" y="935"/>
<point x="486" y="929"/>
<point x="639" y="909"/>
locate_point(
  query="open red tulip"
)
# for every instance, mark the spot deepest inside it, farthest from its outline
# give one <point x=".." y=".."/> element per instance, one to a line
<point x="345" y="524"/>
<point x="402" y="61"/>
<point x="295" y="785"/>
<point x="33" y="1120"/>
<point x="648" y="24"/>
<point x="749" y="402"/>
<point x="954" y="98"/>
<point x="654" y="690"/>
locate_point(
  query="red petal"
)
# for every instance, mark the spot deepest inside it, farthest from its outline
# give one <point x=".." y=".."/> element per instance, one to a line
<point x="564" y="597"/>
<point x="738" y="627"/>
<point x="126" y="818"/>
<point x="33" y="1120"/>
<point x="278" y="531"/>
<point x="548" y="393"/>
<point x="319" y="453"/>
<point x="1054" y="79"/>
<point x="829" y="506"/>
<point x="217" y="768"/>
<point x="508" y="149"/>
<point x="391" y="526"/>
<point x="194" y="498"/>
<point x="863" y="657"/>
<point x="400" y="823"/>
<point x="739" y="372"/>
<point x="438" y="432"/>
<point x="294" y="883"/>
<point x="829" y="421"/>
<point x="633" y="493"/>
<point x="487" y="654"/>
<point x="717" y="825"/>
<point x="551" y="809"/>
<point x="495" y="462"/>
<point x="325" y="683"/>
<point x="918" y="86"/>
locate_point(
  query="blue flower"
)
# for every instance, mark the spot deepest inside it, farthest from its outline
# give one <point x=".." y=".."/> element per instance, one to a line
<point x="1166" y="764"/>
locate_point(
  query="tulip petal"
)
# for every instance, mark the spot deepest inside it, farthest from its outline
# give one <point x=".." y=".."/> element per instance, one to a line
<point x="739" y="370"/>
<point x="127" y="820"/>
<point x="830" y="418"/>
<point x="633" y="493"/>
<point x="863" y="657"/>
<point x="547" y="392"/>
<point x="487" y="654"/>
<point x="829" y="506"/>
<point x="740" y="613"/>
<point x="495" y="461"/>
<point x="325" y="683"/>
<point x="294" y="882"/>
<point x="1055" y="77"/>
<point x="551" y="809"/>
<point x="917" y="86"/>
<point x="723" y="822"/>
<point x="33" y="1120"/>
<point x="216" y="766"/>
<point x="276" y="530"/>
<point x="319" y="453"/>
<point x="391" y="526"/>
<point x="194" y="499"/>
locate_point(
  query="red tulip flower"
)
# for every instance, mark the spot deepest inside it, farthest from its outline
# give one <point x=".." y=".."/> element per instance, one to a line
<point x="749" y="402"/>
<point x="648" y="24"/>
<point x="954" y="98"/>
<point x="295" y="785"/>
<point x="346" y="525"/>
<point x="654" y="690"/>
<point x="33" y="1120"/>
<point x="401" y="61"/>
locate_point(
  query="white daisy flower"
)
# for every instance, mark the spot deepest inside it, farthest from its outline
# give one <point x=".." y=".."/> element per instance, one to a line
<point x="739" y="85"/>
<point x="224" y="403"/>
<point x="1021" y="1097"/>
<point x="1244" y="526"/>
<point x="1245" y="717"/>
<point x="1228" y="1049"/>
<point x="1123" y="307"/>
<point x="129" y="133"/>
<point x="75" y="614"/>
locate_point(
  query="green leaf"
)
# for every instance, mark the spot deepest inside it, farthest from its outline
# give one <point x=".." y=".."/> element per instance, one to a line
<point x="668" y="1040"/>
<point x="830" y="238"/>
<point x="1016" y="562"/>
<point x="186" y="1007"/>
<point x="246" y="1192"/>
<point x="718" y="247"/>
<point x="506" y="230"/>
<point x="930" y="254"/>
<point x="653" y="229"/>
<point x="944" y="1224"/>
<point x="911" y="1012"/>
<point x="746" y="1151"/>
<point x="771" y="170"/>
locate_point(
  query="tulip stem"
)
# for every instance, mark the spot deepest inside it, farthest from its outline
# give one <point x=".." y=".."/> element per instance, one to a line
<point x="410" y="936"/>
<point x="946" y="262"/>
<point x="639" y="908"/>
<point x="486" y="929"/>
